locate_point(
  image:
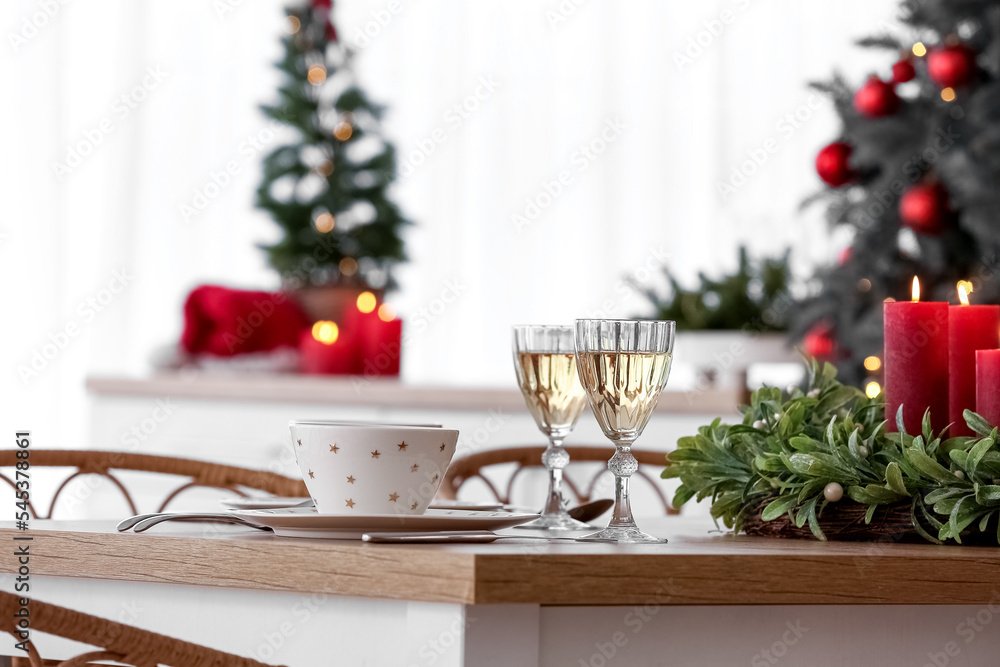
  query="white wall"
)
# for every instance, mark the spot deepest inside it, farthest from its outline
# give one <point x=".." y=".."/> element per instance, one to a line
<point x="652" y="191"/>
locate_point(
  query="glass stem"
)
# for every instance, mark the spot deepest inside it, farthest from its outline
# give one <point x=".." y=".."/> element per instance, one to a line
<point x="622" y="465"/>
<point x="554" y="458"/>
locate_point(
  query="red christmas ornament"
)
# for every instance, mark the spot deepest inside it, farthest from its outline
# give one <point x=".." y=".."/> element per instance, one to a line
<point x="844" y="256"/>
<point x="952" y="66"/>
<point x="323" y="4"/>
<point x="331" y="32"/>
<point x="903" y="71"/>
<point x="924" y="208"/>
<point x="819" y="342"/>
<point x="876" y="99"/>
<point x="832" y="164"/>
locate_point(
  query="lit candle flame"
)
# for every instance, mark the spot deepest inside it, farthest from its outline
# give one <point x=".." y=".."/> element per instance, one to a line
<point x="326" y="332"/>
<point x="916" y="290"/>
<point x="963" y="295"/>
<point x="366" y="302"/>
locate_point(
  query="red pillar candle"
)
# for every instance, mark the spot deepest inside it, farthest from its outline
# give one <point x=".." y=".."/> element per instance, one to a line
<point x="329" y="350"/>
<point x="916" y="361"/>
<point x="988" y="385"/>
<point x="380" y="335"/>
<point x="970" y="328"/>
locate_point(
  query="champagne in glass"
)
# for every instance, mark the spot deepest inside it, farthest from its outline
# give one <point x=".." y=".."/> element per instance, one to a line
<point x="545" y="363"/>
<point x="623" y="365"/>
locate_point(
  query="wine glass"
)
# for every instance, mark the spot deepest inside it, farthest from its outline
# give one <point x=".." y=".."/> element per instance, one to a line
<point x="623" y="365"/>
<point x="545" y="362"/>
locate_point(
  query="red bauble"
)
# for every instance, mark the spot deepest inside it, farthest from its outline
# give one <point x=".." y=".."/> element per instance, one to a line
<point x="819" y="342"/>
<point x="903" y="71"/>
<point x="832" y="164"/>
<point x="322" y="4"/>
<point x="876" y="99"/>
<point x="844" y="256"/>
<point x="331" y="32"/>
<point x="924" y="208"/>
<point x="952" y="66"/>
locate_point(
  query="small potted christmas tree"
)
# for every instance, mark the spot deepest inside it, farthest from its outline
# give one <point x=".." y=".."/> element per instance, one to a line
<point x="328" y="189"/>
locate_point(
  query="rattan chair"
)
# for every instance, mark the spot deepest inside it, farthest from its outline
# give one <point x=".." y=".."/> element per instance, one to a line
<point x="471" y="467"/>
<point x="114" y="641"/>
<point x="198" y="473"/>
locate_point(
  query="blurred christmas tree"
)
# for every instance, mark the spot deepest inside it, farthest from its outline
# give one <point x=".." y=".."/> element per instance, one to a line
<point x="755" y="296"/>
<point x="327" y="190"/>
<point x="914" y="176"/>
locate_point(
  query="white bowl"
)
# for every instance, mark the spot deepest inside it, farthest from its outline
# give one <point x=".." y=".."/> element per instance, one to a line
<point x="355" y="468"/>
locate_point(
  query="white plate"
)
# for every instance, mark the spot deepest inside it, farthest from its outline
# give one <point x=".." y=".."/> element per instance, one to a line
<point x="305" y="522"/>
<point x="262" y="503"/>
<point x="278" y="502"/>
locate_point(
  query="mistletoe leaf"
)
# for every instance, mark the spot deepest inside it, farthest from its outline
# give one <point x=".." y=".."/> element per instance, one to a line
<point x="777" y="507"/>
<point x="894" y="479"/>
<point x="977" y="423"/>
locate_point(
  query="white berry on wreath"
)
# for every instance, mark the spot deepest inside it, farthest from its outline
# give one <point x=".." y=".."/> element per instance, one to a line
<point x="833" y="492"/>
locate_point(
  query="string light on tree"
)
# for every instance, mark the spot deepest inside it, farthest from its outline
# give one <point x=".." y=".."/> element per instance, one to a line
<point x="316" y="75"/>
<point x="919" y="50"/>
<point x="948" y="94"/>
<point x="293" y="25"/>
<point x="348" y="266"/>
<point x="386" y="313"/>
<point x="872" y="389"/>
<point x="343" y="130"/>
<point x="325" y="223"/>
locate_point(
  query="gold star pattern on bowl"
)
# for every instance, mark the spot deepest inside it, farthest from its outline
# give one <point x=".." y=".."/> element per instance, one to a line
<point x="375" y="454"/>
<point x="414" y="468"/>
<point x="350" y="503"/>
<point x="393" y="497"/>
<point x="312" y="475"/>
<point x="441" y="448"/>
<point x="435" y="478"/>
<point x="300" y="442"/>
<point x="350" y="479"/>
<point x="333" y="448"/>
<point x="402" y="446"/>
<point x="413" y="506"/>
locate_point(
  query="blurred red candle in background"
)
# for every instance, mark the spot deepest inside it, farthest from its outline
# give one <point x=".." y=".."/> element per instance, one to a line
<point x="916" y="361"/>
<point x="970" y="328"/>
<point x="988" y="385"/>
<point x="380" y="335"/>
<point x="328" y="349"/>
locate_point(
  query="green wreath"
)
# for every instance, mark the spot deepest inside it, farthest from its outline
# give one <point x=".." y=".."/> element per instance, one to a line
<point x="795" y="451"/>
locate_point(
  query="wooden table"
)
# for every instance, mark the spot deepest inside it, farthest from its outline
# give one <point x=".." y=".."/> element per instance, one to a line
<point x="702" y="599"/>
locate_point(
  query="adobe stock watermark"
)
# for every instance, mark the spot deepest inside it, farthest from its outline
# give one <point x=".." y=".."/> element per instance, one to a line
<point x="655" y="260"/>
<point x="218" y="180"/>
<point x="379" y="20"/>
<point x="563" y="12"/>
<point x="121" y="109"/>
<point x="301" y="613"/>
<point x="779" y="649"/>
<point x="86" y="312"/>
<point x="786" y="127"/>
<point x="712" y="29"/>
<point x="582" y="158"/>
<point x="437" y="646"/>
<point x="634" y="621"/>
<point x="453" y="118"/>
<point x="967" y="630"/>
<point x="417" y="322"/>
<point x="33" y="24"/>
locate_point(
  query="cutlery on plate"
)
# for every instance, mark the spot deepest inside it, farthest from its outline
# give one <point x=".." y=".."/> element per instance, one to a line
<point x="435" y="536"/>
<point x="143" y="522"/>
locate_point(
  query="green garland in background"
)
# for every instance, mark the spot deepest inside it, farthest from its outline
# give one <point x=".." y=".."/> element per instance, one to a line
<point x="790" y="447"/>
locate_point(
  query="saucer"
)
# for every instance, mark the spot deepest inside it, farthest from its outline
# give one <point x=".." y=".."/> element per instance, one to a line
<point x="279" y="502"/>
<point x="305" y="522"/>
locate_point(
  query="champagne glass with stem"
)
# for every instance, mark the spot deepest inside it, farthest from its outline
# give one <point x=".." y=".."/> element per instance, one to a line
<point x="545" y="362"/>
<point x="623" y="365"/>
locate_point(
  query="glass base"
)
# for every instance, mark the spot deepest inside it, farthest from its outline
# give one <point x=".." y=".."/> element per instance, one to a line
<point x="560" y="521"/>
<point x="624" y="535"/>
